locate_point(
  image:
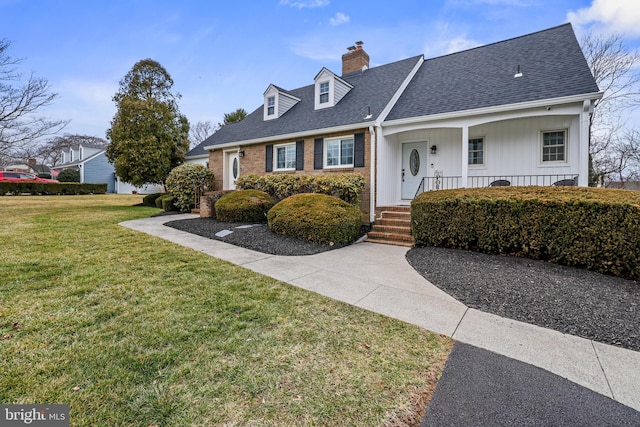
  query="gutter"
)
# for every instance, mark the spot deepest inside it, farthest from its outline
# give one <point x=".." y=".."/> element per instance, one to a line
<point x="496" y="109"/>
<point x="372" y="176"/>
<point x="310" y="132"/>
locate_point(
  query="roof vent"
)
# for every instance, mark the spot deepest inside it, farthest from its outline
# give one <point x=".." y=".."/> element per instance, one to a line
<point x="518" y="73"/>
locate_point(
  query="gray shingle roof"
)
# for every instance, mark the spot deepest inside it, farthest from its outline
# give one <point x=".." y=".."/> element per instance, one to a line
<point x="551" y="62"/>
<point x="372" y="89"/>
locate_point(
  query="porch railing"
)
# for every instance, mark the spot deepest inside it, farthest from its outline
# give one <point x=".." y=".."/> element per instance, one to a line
<point x="452" y="182"/>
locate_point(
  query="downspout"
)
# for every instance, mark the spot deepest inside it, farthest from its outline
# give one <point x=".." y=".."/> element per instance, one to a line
<point x="372" y="176"/>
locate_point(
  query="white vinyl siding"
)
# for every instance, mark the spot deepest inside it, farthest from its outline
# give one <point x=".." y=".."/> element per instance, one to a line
<point x="285" y="102"/>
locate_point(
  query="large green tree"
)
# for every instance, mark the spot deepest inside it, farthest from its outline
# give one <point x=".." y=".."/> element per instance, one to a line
<point x="148" y="135"/>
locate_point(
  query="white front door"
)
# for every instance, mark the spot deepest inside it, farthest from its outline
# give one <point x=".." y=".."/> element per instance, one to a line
<point x="414" y="168"/>
<point x="233" y="170"/>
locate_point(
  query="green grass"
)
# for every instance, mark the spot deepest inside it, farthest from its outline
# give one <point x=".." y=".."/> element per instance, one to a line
<point x="132" y="330"/>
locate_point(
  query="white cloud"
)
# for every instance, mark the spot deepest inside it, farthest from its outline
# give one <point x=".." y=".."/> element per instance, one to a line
<point x="619" y="16"/>
<point x="460" y="43"/>
<point x="339" y="19"/>
<point x="300" y="4"/>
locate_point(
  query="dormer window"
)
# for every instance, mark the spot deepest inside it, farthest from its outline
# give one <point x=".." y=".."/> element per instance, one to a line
<point x="277" y="101"/>
<point x="324" y="92"/>
<point x="271" y="105"/>
<point x="329" y="89"/>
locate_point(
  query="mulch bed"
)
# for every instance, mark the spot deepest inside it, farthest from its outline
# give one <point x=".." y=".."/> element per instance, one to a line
<point x="257" y="237"/>
<point x="570" y="300"/>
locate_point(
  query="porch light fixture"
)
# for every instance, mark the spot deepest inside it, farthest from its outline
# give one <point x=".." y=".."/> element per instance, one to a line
<point x="240" y="153"/>
<point x="433" y="149"/>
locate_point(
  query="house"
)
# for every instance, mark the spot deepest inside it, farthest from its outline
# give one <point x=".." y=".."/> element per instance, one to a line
<point x="32" y="166"/>
<point x="197" y="155"/>
<point x="515" y="112"/>
<point x="94" y="167"/>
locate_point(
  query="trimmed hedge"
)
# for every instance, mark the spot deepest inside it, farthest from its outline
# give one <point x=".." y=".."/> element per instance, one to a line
<point x="160" y="204"/>
<point x="591" y="228"/>
<point x="347" y="187"/>
<point x="50" y="188"/>
<point x="318" y="218"/>
<point x="69" y="175"/>
<point x="244" y="206"/>
<point x="150" y="199"/>
<point x="168" y="203"/>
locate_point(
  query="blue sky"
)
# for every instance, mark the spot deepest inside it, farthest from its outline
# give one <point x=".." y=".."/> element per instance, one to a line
<point x="223" y="55"/>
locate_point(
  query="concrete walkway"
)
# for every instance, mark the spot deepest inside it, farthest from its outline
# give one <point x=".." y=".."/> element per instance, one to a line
<point x="378" y="278"/>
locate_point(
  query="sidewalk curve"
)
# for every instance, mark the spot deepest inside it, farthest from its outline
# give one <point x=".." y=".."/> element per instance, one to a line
<point x="383" y="281"/>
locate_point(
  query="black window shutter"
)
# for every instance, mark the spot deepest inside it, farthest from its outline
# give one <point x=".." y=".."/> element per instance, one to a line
<point x="300" y="155"/>
<point x="318" y="149"/>
<point x="268" y="166"/>
<point x="358" y="150"/>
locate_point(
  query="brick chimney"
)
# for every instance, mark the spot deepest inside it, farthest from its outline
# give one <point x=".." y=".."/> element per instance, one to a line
<point x="31" y="162"/>
<point x="355" y="59"/>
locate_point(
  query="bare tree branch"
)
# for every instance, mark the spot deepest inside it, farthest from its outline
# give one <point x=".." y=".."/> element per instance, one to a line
<point x="20" y="101"/>
<point x="201" y="131"/>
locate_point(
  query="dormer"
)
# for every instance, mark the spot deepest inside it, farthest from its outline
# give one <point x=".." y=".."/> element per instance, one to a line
<point x="277" y="101"/>
<point x="329" y="89"/>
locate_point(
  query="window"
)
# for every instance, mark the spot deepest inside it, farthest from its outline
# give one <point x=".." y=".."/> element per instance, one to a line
<point x="554" y="146"/>
<point x="271" y="105"/>
<point x="339" y="152"/>
<point x="324" y="92"/>
<point x="476" y="151"/>
<point x="285" y="157"/>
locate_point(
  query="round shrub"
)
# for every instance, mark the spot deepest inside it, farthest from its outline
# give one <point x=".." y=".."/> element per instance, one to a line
<point x="187" y="180"/>
<point x="244" y="206"/>
<point x="69" y="175"/>
<point x="318" y="218"/>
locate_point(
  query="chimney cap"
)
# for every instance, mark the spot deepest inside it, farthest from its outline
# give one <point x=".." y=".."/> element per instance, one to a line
<point x="351" y="48"/>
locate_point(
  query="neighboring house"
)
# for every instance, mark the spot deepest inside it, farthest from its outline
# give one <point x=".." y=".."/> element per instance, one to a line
<point x="32" y="166"/>
<point x="94" y="167"/>
<point x="514" y="112"/>
<point x="198" y="155"/>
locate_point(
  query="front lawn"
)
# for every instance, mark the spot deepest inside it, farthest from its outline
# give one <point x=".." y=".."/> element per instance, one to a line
<point x="132" y="330"/>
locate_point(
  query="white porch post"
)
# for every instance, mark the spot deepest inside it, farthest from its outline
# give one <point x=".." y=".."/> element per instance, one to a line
<point x="465" y="156"/>
<point x="583" y="170"/>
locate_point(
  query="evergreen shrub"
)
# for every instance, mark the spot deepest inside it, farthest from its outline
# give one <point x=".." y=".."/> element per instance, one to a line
<point x="317" y="218"/>
<point x="185" y="181"/>
<point x="346" y="186"/>
<point x="591" y="228"/>
<point x="244" y="206"/>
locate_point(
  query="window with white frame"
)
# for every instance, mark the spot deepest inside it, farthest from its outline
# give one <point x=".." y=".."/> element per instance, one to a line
<point x="324" y="92"/>
<point x="339" y="152"/>
<point x="476" y="151"/>
<point x="271" y="105"/>
<point x="285" y="158"/>
<point x="554" y="146"/>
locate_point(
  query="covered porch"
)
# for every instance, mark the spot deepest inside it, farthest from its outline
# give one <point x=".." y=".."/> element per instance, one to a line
<point x="541" y="145"/>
